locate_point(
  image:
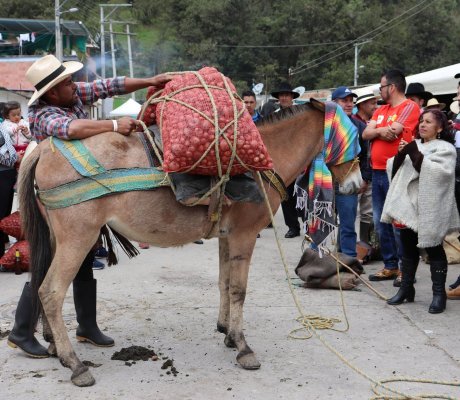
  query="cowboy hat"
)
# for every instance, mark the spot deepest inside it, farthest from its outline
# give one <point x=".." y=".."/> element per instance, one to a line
<point x="433" y="103"/>
<point x="47" y="72"/>
<point x="285" y="87"/>
<point x="364" y="95"/>
<point x="417" y="89"/>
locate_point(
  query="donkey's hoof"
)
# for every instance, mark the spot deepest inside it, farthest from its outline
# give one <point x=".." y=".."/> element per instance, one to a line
<point x="247" y="359"/>
<point x="82" y="377"/>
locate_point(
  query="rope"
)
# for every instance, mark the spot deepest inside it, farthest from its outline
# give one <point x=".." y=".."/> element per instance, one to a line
<point x="313" y="323"/>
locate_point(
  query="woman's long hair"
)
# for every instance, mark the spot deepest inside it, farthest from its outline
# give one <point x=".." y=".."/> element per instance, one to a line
<point x="446" y="133"/>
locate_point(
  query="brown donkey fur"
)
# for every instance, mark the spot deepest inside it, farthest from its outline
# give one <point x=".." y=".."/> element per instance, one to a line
<point x="60" y="241"/>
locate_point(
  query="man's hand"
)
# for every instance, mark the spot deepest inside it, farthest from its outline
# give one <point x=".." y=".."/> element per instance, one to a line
<point x="388" y="134"/>
<point x="126" y="125"/>
<point x="159" y="81"/>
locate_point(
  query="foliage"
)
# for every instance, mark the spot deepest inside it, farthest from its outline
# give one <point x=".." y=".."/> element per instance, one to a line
<point x="315" y="40"/>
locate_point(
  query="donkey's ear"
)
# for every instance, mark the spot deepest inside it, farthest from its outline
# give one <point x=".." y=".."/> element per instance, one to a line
<point x="319" y="105"/>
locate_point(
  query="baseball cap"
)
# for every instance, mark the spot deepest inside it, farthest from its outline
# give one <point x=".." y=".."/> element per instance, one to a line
<point x="341" y="92"/>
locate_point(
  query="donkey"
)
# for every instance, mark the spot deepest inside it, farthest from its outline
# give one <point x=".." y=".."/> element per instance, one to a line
<point x="61" y="238"/>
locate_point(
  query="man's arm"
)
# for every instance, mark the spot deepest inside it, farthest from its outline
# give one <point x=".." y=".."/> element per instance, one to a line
<point x="83" y="128"/>
<point x="133" y="84"/>
<point x="387" y="133"/>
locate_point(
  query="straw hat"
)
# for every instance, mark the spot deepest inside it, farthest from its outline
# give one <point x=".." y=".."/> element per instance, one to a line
<point x="47" y="72"/>
<point x="364" y="95"/>
<point x="433" y="103"/>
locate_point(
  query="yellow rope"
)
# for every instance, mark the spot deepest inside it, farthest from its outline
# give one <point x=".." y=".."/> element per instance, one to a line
<point x="310" y="323"/>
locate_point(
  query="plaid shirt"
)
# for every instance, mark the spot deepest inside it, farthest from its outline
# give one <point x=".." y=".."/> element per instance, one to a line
<point x="47" y="120"/>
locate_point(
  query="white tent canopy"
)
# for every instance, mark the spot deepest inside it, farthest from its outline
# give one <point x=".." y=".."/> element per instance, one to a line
<point x="130" y="108"/>
<point x="437" y="81"/>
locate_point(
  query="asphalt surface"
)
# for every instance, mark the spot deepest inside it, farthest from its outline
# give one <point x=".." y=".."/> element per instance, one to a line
<point x="167" y="300"/>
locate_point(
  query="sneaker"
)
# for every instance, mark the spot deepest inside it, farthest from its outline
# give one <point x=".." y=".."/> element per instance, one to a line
<point x="101" y="252"/>
<point x="384" y="274"/>
<point x="198" y="242"/>
<point x="98" y="265"/>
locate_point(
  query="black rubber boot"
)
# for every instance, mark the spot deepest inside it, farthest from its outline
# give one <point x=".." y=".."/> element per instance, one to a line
<point x="406" y="290"/>
<point x="438" y="277"/>
<point x="84" y="295"/>
<point x="22" y="335"/>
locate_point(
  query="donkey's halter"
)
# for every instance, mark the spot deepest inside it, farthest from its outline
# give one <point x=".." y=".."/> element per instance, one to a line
<point x="341" y="177"/>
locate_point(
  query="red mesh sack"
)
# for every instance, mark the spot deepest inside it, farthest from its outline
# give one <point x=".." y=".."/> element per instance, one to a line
<point x="187" y="119"/>
<point x="9" y="258"/>
<point x="11" y="225"/>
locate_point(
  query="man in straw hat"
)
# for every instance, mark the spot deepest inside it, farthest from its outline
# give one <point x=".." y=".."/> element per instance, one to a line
<point x="57" y="109"/>
<point x="434" y="104"/>
<point x="286" y="96"/>
<point x="366" y="103"/>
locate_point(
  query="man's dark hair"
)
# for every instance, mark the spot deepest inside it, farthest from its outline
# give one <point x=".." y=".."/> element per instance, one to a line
<point x="248" y="93"/>
<point x="397" y="78"/>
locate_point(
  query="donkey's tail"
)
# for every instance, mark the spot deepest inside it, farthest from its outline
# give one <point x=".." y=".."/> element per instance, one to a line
<point x="34" y="226"/>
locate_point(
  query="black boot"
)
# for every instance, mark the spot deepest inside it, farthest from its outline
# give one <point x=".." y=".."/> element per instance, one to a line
<point x="22" y="335"/>
<point x="438" y="277"/>
<point x="84" y="295"/>
<point x="407" y="290"/>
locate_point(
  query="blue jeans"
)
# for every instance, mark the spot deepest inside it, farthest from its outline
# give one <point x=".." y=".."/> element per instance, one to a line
<point x="387" y="240"/>
<point x="347" y="206"/>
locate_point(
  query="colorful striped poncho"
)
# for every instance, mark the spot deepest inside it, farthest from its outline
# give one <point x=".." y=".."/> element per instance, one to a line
<point x="314" y="190"/>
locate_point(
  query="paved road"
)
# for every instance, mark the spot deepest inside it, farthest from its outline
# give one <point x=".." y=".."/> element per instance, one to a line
<point x="168" y="299"/>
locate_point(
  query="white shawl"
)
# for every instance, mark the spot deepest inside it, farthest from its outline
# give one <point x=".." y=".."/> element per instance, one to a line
<point x="432" y="210"/>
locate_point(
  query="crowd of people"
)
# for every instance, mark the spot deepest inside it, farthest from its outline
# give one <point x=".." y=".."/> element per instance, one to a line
<point x="405" y="138"/>
<point x="411" y="176"/>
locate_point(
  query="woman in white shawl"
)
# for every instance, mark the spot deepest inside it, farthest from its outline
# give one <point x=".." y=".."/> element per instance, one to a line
<point x="421" y="198"/>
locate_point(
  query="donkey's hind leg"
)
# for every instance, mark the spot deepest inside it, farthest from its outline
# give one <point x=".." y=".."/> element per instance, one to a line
<point x="67" y="260"/>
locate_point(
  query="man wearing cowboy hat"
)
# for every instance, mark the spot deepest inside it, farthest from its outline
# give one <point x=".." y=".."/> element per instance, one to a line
<point x="434" y="104"/>
<point x="57" y="108"/>
<point x="286" y="96"/>
<point x="417" y="93"/>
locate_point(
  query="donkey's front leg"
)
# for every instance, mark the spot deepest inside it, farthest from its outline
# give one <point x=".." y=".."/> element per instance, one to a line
<point x="240" y="258"/>
<point x="224" y="283"/>
<point x="52" y="293"/>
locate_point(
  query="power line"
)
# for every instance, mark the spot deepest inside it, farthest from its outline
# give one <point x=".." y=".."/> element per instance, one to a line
<point x="324" y="58"/>
<point x="286" y="45"/>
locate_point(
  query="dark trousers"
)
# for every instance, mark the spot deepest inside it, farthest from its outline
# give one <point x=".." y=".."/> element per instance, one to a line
<point x="409" y="240"/>
<point x="7" y="181"/>
<point x="291" y="217"/>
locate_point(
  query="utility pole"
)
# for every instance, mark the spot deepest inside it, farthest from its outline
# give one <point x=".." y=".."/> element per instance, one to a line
<point x="112" y="50"/>
<point x="103" y="20"/>
<point x="357" y="51"/>
<point x="57" y="23"/>
<point x="57" y="26"/>
<point x="130" y="58"/>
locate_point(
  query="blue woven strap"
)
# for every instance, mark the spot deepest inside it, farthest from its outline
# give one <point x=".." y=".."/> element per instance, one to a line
<point x="103" y="184"/>
<point x="79" y="157"/>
